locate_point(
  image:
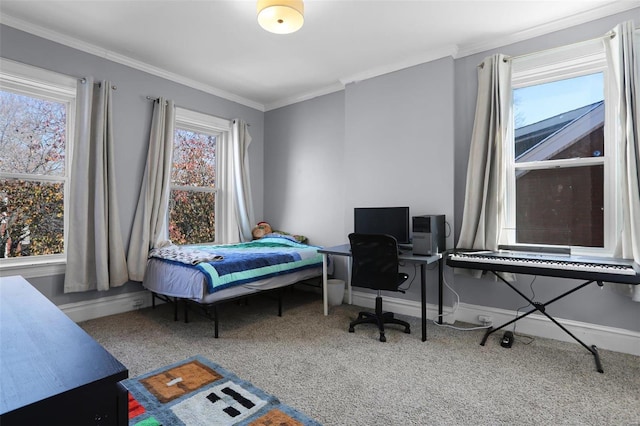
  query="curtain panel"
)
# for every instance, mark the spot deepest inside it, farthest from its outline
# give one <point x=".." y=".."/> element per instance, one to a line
<point x="484" y="203"/>
<point x="235" y="206"/>
<point x="149" y="225"/>
<point x="623" y="51"/>
<point x="95" y="253"/>
<point x="240" y="141"/>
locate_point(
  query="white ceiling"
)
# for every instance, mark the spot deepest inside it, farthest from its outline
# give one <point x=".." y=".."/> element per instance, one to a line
<point x="217" y="46"/>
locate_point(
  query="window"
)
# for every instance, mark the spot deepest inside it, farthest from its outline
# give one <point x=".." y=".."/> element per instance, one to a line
<point x="37" y="110"/>
<point x="559" y="182"/>
<point x="196" y="196"/>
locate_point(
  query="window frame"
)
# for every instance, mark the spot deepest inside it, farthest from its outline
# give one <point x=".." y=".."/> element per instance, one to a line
<point x="27" y="80"/>
<point x="198" y="122"/>
<point x="557" y="64"/>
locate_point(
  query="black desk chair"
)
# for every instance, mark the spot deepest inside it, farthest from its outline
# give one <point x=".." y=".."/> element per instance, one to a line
<point x="375" y="265"/>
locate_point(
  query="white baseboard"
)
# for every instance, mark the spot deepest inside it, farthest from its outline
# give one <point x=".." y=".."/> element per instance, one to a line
<point x="611" y="338"/>
<point x="104" y="306"/>
<point x="401" y="306"/>
<point x="614" y="339"/>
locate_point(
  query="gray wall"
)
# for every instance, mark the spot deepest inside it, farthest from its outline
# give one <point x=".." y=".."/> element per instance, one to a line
<point x="304" y="168"/>
<point x="386" y="141"/>
<point x="132" y="117"/>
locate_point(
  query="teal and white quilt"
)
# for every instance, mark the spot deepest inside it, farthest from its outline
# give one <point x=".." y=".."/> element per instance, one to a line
<point x="230" y="265"/>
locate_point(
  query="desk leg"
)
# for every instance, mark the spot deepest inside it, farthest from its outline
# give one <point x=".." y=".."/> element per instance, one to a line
<point x="325" y="301"/>
<point x="349" y="295"/>
<point x="440" y="281"/>
<point x="423" y="299"/>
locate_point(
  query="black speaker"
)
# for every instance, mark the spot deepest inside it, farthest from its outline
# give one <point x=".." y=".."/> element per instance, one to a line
<point x="428" y="235"/>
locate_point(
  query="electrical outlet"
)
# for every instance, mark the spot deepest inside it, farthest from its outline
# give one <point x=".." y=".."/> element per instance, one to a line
<point x="485" y="319"/>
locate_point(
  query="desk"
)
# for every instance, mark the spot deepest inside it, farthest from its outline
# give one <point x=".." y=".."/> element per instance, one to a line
<point x="423" y="261"/>
<point x="51" y="371"/>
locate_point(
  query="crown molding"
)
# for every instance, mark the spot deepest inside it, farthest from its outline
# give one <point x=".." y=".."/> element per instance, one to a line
<point x="454" y="51"/>
<point x="124" y="60"/>
<point x="609" y="9"/>
<point x="336" y="87"/>
<point x="432" y="55"/>
<point x="429" y="56"/>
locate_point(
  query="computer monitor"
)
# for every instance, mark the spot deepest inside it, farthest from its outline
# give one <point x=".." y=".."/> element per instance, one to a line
<point x="393" y="221"/>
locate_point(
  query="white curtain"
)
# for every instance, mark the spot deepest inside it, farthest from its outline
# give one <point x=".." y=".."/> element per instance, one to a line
<point x="149" y="225"/>
<point x="240" y="141"/>
<point x="237" y="207"/>
<point x="95" y="253"/>
<point x="484" y="204"/>
<point x="624" y="58"/>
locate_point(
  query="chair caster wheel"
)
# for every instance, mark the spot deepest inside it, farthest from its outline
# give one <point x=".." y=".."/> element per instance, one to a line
<point x="407" y="331"/>
<point x="351" y="330"/>
<point x="382" y="338"/>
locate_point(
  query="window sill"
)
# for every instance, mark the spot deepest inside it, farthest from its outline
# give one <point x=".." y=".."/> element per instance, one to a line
<point x="34" y="269"/>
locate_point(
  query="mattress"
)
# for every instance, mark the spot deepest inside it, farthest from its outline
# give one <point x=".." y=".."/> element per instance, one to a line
<point x="176" y="280"/>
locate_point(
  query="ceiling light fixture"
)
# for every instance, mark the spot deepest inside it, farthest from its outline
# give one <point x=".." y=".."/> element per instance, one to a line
<point x="281" y="16"/>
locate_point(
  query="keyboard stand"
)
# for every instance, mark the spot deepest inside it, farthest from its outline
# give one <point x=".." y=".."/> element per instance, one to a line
<point x="540" y="307"/>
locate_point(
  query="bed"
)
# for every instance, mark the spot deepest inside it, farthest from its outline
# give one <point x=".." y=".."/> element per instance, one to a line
<point x="205" y="276"/>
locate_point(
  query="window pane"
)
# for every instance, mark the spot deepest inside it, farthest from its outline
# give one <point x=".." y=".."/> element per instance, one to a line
<point x="561" y="206"/>
<point x="32" y="218"/>
<point x="561" y="119"/>
<point x="192" y="217"/>
<point x="194" y="159"/>
<point x="32" y="135"/>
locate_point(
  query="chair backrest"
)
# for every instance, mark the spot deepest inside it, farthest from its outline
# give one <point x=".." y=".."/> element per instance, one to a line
<point x="374" y="261"/>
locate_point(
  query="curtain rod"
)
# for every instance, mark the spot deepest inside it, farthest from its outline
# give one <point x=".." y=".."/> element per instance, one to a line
<point x="154" y="99"/>
<point x="83" y="80"/>
<point x="248" y="124"/>
<point x="610" y="34"/>
<point x="151" y="98"/>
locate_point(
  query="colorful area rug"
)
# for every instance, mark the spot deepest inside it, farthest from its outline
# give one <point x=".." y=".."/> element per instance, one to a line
<point x="198" y="392"/>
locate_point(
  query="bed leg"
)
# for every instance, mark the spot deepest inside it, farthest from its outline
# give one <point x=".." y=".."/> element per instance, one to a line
<point x="215" y="322"/>
<point x="175" y="309"/>
<point x="186" y="311"/>
<point x="280" y="303"/>
<point x="153" y="300"/>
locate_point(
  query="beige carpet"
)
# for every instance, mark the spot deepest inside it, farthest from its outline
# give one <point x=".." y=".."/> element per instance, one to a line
<point x="311" y="362"/>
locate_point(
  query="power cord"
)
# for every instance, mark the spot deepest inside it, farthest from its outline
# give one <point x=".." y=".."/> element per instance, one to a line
<point x="448" y="229"/>
<point x="410" y="282"/>
<point x="415" y="274"/>
<point x="455" y="308"/>
<point x="533" y="295"/>
<point x="487" y="325"/>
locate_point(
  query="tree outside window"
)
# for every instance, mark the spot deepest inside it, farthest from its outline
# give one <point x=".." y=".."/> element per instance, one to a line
<point x="33" y="142"/>
<point x="192" y="205"/>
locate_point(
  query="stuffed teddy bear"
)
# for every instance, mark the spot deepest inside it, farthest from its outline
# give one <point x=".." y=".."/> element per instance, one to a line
<point x="260" y="230"/>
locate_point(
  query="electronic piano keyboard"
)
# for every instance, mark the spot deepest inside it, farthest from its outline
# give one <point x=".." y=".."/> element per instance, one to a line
<point x="589" y="269"/>
<point x="621" y="271"/>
